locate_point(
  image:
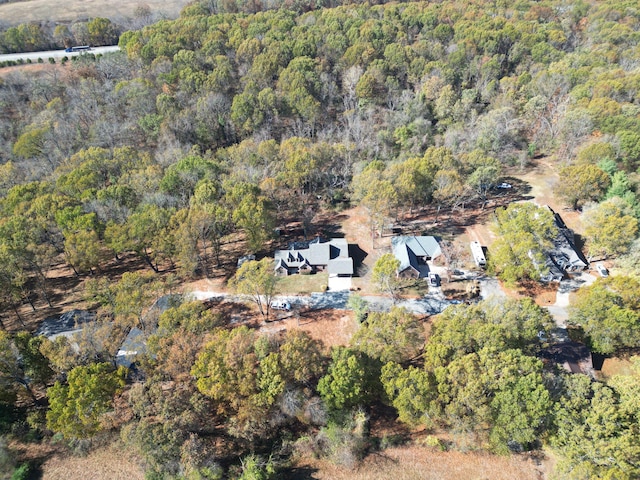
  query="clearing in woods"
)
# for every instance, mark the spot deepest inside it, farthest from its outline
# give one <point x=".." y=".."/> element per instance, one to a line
<point x="401" y="463"/>
<point x="423" y="463"/>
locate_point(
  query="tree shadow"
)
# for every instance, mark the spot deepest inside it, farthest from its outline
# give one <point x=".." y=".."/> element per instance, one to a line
<point x="298" y="473"/>
<point x="358" y="256"/>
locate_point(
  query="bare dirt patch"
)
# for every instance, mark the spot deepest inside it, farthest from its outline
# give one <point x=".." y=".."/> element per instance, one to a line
<point x="542" y="178"/>
<point x="332" y="327"/>
<point x="543" y="294"/>
<point x="421" y="463"/>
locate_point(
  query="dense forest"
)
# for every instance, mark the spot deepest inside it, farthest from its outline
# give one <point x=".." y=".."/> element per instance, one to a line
<point x="235" y="119"/>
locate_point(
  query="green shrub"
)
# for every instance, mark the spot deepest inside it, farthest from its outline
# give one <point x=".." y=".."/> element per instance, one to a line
<point x="23" y="472"/>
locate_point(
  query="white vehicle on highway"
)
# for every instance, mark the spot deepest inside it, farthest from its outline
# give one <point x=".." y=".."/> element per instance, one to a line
<point x="280" y="305"/>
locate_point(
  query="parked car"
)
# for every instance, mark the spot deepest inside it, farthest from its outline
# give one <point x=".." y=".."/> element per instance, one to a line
<point x="504" y="185"/>
<point x="602" y="270"/>
<point x="279" y="305"/>
<point x="434" y="280"/>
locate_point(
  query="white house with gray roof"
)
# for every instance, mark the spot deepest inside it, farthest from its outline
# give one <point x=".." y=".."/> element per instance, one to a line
<point x="413" y="254"/>
<point x="318" y="255"/>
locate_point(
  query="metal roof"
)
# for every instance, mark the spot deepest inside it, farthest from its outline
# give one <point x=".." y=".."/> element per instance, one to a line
<point x="408" y="249"/>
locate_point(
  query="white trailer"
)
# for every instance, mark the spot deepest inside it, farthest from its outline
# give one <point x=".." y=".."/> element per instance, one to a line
<point x="478" y="254"/>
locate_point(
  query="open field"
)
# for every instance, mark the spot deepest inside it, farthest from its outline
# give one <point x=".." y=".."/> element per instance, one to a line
<point x="400" y="463"/>
<point x="332" y="327"/>
<point x="109" y="463"/>
<point x="52" y="11"/>
<point x="421" y="463"/>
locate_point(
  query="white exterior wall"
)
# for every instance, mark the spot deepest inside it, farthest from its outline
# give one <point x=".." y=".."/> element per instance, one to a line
<point x="478" y="254"/>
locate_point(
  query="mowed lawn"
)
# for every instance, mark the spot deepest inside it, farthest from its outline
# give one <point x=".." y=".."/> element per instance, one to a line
<point x="302" y="284"/>
<point x="117" y="10"/>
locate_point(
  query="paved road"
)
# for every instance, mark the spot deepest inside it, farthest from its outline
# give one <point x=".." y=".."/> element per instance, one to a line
<point x="428" y="305"/>
<point x="56" y="54"/>
<point x="559" y="310"/>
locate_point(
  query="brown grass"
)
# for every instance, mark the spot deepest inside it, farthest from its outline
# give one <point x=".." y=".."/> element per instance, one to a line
<point x="615" y="366"/>
<point x="71" y="10"/>
<point x="108" y="463"/>
<point x="422" y="463"/>
<point x="332" y="327"/>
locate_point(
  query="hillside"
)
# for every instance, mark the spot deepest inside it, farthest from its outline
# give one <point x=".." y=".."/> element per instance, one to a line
<point x="238" y="128"/>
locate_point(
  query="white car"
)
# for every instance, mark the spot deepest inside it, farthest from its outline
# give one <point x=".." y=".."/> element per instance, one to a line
<point x="602" y="270"/>
<point x="504" y="185"/>
<point x="278" y="305"/>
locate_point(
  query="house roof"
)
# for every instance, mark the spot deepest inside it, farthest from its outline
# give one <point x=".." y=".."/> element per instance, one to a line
<point x="340" y="266"/>
<point x="71" y="321"/>
<point x="426" y="246"/>
<point x="339" y="247"/>
<point x="565" y="253"/>
<point x="317" y="252"/>
<point x="406" y="256"/>
<point x="408" y="249"/>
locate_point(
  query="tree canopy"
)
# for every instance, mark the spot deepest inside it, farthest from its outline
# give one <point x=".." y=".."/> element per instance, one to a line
<point x="609" y="313"/>
<point x="525" y="234"/>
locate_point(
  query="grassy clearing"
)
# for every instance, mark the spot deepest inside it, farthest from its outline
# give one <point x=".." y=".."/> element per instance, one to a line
<point x="303" y="284"/>
<point x="109" y="463"/>
<point x="411" y="288"/>
<point x="332" y="327"/>
<point x="50" y="10"/>
<point x="615" y="366"/>
<point x="421" y="463"/>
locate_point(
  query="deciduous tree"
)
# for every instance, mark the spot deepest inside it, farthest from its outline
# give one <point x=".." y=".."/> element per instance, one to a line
<point x="395" y="336"/>
<point x="609" y="227"/>
<point x="582" y="183"/>
<point x="525" y="233"/>
<point x="609" y="313"/>
<point x="349" y="381"/>
<point x="258" y="281"/>
<point x="385" y="274"/>
<point x="75" y="409"/>
<point x="597" y="434"/>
